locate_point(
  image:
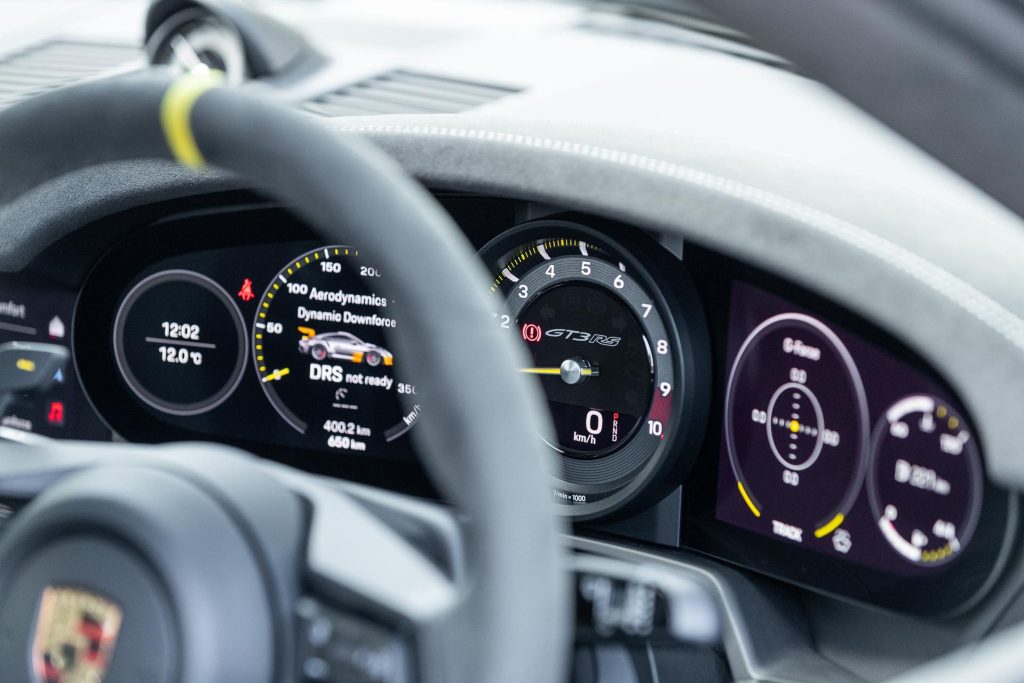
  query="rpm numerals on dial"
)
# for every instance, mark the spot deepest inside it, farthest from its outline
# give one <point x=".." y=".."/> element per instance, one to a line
<point x="600" y="349"/>
<point x="322" y="356"/>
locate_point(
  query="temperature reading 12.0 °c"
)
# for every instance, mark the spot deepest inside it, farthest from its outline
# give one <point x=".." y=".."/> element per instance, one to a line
<point x="179" y="342"/>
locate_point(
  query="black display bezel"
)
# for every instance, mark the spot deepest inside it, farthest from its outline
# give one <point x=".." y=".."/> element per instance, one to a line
<point x="933" y="591"/>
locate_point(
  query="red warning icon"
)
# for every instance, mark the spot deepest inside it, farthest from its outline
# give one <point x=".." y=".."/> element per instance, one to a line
<point x="532" y="332"/>
<point x="245" y="293"/>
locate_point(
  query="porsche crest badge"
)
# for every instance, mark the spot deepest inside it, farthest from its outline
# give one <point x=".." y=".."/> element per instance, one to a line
<point x="76" y="632"/>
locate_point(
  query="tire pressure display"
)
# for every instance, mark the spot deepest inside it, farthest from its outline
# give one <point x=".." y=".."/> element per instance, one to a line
<point x="834" y="444"/>
<point x="321" y="354"/>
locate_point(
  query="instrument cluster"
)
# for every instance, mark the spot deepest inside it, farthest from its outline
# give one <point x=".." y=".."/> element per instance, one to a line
<point x="808" y="444"/>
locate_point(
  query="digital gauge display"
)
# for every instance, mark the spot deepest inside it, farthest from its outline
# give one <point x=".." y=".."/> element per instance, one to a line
<point x="322" y="357"/>
<point x="248" y="345"/>
<point x="610" y="357"/>
<point x="833" y="444"/>
<point x="925" y="479"/>
<point x="796" y="426"/>
<point x="179" y="342"/>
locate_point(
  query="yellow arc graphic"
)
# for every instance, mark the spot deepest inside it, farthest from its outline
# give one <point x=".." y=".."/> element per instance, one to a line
<point x="746" y="499"/>
<point x="833" y="524"/>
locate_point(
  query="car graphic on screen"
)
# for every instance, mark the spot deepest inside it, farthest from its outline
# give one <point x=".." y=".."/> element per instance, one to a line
<point x="345" y="346"/>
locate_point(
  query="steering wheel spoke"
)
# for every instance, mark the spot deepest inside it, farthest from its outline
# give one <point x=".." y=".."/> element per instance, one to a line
<point x="374" y="600"/>
<point x="33" y="463"/>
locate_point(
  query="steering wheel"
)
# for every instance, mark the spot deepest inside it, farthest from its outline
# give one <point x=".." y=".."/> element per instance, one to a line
<point x="201" y="564"/>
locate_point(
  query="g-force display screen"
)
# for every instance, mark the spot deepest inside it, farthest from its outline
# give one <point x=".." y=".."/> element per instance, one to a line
<point x="832" y="444"/>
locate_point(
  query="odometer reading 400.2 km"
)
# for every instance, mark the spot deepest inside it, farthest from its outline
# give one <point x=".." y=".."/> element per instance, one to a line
<point x="321" y="353"/>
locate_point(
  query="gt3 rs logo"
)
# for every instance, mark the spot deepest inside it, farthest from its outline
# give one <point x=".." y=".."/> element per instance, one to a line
<point x="584" y="337"/>
<point x="76" y="632"/>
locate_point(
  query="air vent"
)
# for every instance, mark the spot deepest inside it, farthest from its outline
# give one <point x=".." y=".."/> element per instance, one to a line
<point x="55" y="64"/>
<point x="406" y="92"/>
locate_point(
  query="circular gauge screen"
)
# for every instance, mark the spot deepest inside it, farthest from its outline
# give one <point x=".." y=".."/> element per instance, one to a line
<point x="925" y="480"/>
<point x="322" y="356"/>
<point x="796" y="430"/>
<point x="179" y="342"/>
<point x="600" y="346"/>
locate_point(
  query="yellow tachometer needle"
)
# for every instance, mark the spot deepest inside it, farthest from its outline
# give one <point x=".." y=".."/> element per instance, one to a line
<point x="276" y="374"/>
<point x="585" y="372"/>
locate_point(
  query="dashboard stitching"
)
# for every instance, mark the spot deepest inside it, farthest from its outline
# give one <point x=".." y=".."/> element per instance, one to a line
<point x="979" y="305"/>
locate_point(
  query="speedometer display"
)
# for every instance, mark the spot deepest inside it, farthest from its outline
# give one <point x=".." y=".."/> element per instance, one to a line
<point x="321" y="353"/>
<point x="599" y="386"/>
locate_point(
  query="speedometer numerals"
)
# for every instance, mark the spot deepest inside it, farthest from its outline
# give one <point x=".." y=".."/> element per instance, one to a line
<point x="322" y="357"/>
<point x="796" y="416"/>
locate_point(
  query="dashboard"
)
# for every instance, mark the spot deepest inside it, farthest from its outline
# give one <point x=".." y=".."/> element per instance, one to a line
<point x="806" y="444"/>
<point x="829" y="434"/>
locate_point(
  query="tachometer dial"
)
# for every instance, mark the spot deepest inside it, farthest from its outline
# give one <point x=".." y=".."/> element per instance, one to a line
<point x="321" y="354"/>
<point x="605" y="354"/>
<point x="925" y="485"/>
<point x="796" y="427"/>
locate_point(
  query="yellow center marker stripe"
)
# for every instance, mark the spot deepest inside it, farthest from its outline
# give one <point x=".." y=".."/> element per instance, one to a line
<point x="746" y="499"/>
<point x="176" y="116"/>
<point x="830" y="527"/>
